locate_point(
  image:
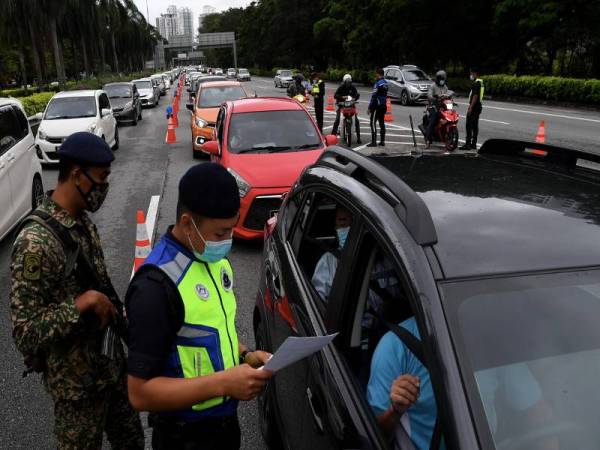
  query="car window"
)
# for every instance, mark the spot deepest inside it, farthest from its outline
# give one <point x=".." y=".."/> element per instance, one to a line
<point x="22" y="121"/>
<point x="118" y="91"/>
<point x="286" y="73"/>
<point x="211" y="97"/>
<point x="272" y="131"/>
<point x="71" y="108"/>
<point x="290" y="212"/>
<point x="319" y="239"/>
<point x="104" y="102"/>
<point x="11" y="131"/>
<point x="414" y="75"/>
<point x="529" y="348"/>
<point x="220" y="125"/>
<point x="144" y="84"/>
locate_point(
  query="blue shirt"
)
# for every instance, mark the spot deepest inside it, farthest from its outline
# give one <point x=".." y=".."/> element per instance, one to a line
<point x="379" y="95"/>
<point x="390" y="360"/>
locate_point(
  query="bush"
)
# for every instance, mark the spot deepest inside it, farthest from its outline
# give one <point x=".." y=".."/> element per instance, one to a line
<point x="36" y="103"/>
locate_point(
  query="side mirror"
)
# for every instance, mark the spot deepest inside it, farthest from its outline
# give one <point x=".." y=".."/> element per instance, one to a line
<point x="105" y="112"/>
<point x="331" y="139"/>
<point x="190" y="106"/>
<point x="38" y="116"/>
<point x="211" y="147"/>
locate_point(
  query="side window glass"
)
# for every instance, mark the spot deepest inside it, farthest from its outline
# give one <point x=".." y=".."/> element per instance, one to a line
<point x="319" y="239"/>
<point x="22" y="122"/>
<point x="9" y="129"/>
<point x="290" y="213"/>
<point x="104" y="102"/>
<point x="220" y="126"/>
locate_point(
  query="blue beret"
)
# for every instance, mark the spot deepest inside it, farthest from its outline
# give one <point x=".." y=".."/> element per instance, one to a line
<point x="86" y="148"/>
<point x="210" y="190"/>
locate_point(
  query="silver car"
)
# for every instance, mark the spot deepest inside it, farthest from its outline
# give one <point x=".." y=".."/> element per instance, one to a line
<point x="158" y="79"/>
<point x="283" y="78"/>
<point x="149" y="92"/>
<point x="407" y="83"/>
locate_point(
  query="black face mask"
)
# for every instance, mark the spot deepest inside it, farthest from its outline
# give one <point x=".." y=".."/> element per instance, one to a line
<point x="96" y="195"/>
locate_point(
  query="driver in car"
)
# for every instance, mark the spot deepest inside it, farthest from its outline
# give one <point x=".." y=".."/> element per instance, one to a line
<point x="401" y="396"/>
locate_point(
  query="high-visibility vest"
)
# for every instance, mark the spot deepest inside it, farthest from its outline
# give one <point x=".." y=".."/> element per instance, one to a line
<point x="207" y="342"/>
<point x="481" y="90"/>
<point x="316" y="90"/>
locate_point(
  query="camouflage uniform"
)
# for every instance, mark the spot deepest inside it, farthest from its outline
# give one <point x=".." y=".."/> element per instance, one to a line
<point x="88" y="389"/>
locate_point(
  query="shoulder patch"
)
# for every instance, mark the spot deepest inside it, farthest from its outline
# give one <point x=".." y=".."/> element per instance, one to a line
<point x="32" y="266"/>
<point x="226" y="280"/>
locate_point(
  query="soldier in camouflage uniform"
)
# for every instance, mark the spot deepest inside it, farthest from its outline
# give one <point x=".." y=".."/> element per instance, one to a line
<point x="60" y="320"/>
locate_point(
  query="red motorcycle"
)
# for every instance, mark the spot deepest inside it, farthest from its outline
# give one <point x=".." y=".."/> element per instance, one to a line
<point x="348" y="111"/>
<point x="446" y="128"/>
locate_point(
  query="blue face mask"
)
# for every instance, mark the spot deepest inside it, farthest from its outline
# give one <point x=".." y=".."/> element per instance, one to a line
<point x="213" y="250"/>
<point x="342" y="235"/>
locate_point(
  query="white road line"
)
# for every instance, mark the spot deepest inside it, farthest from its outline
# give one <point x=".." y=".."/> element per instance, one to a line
<point x="495" y="121"/>
<point x="538" y="113"/>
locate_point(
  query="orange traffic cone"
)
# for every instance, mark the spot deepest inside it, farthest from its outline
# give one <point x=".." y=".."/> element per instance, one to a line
<point x="330" y="106"/>
<point x="142" y="243"/>
<point x="388" y="112"/>
<point x="170" y="138"/>
<point x="540" y="137"/>
<point x="175" y="121"/>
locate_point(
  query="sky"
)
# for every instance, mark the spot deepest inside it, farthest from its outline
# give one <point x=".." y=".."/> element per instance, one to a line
<point x="156" y="7"/>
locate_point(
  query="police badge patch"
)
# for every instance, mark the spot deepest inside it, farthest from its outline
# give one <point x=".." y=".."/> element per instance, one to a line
<point x="226" y="280"/>
<point x="202" y="292"/>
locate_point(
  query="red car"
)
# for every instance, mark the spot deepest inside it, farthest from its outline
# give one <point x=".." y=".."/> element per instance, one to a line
<point x="265" y="143"/>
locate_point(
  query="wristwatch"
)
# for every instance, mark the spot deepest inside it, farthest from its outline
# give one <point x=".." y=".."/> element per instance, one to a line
<point x="243" y="355"/>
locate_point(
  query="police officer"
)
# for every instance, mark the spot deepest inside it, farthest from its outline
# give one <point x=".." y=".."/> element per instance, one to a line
<point x="474" y="110"/>
<point x="318" y="93"/>
<point x="377" y="108"/>
<point x="185" y="360"/>
<point x="63" y="305"/>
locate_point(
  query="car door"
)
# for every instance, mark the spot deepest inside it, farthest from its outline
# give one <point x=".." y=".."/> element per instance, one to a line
<point x="389" y="75"/>
<point x="9" y="132"/>
<point x="219" y="134"/>
<point x="137" y="105"/>
<point x="108" y="122"/>
<point x="20" y="157"/>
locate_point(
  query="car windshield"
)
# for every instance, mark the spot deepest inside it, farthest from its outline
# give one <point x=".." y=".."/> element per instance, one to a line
<point x="71" y="108"/>
<point x="118" y="91"/>
<point x="243" y="71"/>
<point x="272" y="131"/>
<point x="530" y="351"/>
<point x="143" y="84"/>
<point x="212" y="97"/>
<point x="414" y="75"/>
<point x="285" y="73"/>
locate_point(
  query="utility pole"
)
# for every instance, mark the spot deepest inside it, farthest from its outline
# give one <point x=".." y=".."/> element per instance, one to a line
<point x="147" y="13"/>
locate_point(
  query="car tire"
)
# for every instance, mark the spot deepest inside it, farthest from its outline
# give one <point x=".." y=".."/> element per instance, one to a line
<point x="37" y="192"/>
<point x="135" y="120"/>
<point x="140" y="115"/>
<point x="116" y="146"/>
<point x="404" y="98"/>
<point x="266" y="419"/>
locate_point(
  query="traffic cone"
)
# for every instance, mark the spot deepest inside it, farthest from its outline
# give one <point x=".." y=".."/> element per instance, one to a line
<point x="170" y="138"/>
<point x="142" y="243"/>
<point x="388" y="112"/>
<point x="540" y="137"/>
<point x="330" y="106"/>
<point x="175" y="121"/>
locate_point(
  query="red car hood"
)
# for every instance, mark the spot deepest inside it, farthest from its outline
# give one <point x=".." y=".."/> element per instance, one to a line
<point x="272" y="170"/>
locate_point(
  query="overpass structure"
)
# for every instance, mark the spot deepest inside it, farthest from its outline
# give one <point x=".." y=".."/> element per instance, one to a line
<point x="182" y="50"/>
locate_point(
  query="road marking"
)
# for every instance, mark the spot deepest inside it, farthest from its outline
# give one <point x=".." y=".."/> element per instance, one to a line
<point x="495" y="121"/>
<point x="540" y="113"/>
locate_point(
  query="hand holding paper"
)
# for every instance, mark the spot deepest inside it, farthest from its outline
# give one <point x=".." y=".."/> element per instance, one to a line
<point x="294" y="349"/>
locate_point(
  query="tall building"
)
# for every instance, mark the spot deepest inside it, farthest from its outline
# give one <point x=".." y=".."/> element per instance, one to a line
<point x="206" y="10"/>
<point x="176" y="23"/>
<point x="185" y="22"/>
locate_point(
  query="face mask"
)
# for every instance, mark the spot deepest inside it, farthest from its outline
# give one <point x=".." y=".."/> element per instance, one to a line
<point x="442" y="82"/>
<point x="213" y="250"/>
<point x="95" y="196"/>
<point x="342" y="235"/>
<point x="471" y="77"/>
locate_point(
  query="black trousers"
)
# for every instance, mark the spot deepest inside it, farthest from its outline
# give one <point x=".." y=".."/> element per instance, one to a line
<point x="378" y="116"/>
<point x="473" y="126"/>
<point x="319" y="112"/>
<point x="209" y="434"/>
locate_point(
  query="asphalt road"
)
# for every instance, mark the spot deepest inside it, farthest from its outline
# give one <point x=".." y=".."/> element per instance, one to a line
<point x="146" y="166"/>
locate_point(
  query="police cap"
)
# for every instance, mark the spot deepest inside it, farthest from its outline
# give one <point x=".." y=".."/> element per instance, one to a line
<point x="87" y="149"/>
<point x="210" y="190"/>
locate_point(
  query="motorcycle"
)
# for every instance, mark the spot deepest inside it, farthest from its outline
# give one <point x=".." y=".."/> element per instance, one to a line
<point x="446" y="128"/>
<point x="348" y="110"/>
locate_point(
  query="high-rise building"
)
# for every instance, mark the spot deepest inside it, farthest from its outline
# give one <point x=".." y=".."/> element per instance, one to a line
<point x="185" y="22"/>
<point x="176" y="23"/>
<point x="206" y="10"/>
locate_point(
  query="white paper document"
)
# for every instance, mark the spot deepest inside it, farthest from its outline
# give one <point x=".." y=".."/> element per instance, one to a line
<point x="296" y="348"/>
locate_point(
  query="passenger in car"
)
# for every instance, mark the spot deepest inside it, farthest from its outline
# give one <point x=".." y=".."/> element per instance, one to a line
<point x="327" y="265"/>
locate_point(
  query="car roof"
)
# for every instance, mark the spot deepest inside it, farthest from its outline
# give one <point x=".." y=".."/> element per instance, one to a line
<point x="219" y="83"/>
<point x="500" y="214"/>
<point x="141" y="79"/>
<point x="10" y="101"/>
<point x="260" y="104"/>
<point x="120" y="83"/>
<point x="79" y="93"/>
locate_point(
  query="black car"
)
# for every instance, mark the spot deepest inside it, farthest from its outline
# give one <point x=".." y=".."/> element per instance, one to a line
<point x="125" y="101"/>
<point x="496" y="255"/>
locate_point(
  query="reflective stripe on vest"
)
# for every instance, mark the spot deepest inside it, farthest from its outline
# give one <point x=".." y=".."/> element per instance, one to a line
<point x="315" y="88"/>
<point x="207" y="341"/>
<point x="481" y="90"/>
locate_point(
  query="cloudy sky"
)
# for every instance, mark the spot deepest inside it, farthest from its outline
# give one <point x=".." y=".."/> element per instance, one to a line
<point x="156" y="7"/>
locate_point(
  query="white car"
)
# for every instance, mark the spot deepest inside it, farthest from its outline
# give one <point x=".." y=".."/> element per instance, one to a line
<point x="218" y="71"/>
<point x="21" y="185"/>
<point x="167" y="79"/>
<point x="73" y="111"/>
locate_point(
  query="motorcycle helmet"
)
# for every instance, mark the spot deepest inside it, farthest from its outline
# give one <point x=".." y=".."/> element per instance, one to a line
<point x="347" y="78"/>
<point x="299" y="78"/>
<point x="440" y="78"/>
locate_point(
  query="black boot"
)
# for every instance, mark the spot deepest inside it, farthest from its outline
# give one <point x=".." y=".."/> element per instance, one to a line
<point x="382" y="142"/>
<point x="373" y="140"/>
